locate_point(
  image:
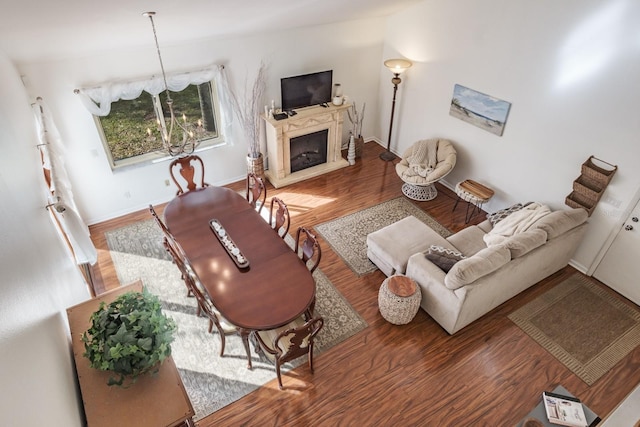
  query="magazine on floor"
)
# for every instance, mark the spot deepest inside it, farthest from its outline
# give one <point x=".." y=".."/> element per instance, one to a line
<point x="564" y="410"/>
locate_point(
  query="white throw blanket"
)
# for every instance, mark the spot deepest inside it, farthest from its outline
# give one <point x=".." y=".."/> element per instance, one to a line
<point x="422" y="160"/>
<point x="515" y="223"/>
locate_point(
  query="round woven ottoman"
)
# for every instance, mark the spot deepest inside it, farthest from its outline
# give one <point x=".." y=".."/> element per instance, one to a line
<point x="399" y="299"/>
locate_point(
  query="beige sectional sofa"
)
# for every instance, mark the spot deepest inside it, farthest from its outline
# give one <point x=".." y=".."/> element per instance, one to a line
<point x="521" y="252"/>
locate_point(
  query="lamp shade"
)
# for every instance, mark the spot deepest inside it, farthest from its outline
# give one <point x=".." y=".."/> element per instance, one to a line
<point x="397" y="66"/>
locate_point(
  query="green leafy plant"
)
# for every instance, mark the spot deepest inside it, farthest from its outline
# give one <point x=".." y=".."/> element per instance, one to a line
<point x="129" y="337"/>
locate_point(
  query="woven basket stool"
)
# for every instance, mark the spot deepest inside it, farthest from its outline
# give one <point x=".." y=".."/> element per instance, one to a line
<point x="399" y="299"/>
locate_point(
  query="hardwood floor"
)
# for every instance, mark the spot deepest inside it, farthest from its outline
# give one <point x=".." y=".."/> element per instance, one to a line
<point x="488" y="374"/>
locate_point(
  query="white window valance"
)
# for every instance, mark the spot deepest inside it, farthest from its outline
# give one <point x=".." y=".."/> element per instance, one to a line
<point x="98" y="99"/>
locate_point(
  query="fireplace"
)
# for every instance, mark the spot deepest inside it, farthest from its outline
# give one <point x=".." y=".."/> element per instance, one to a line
<point x="305" y="145"/>
<point x="308" y="150"/>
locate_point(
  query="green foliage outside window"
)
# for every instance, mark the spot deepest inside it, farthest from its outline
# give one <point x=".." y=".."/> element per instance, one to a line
<point x="131" y="128"/>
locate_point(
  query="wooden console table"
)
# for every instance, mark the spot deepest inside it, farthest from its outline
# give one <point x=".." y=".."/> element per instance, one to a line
<point x="306" y="121"/>
<point x="152" y="401"/>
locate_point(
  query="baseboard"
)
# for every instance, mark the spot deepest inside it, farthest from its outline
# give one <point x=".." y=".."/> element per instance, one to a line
<point x="581" y="268"/>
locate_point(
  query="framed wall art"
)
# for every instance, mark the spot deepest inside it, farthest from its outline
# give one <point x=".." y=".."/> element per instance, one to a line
<point x="483" y="111"/>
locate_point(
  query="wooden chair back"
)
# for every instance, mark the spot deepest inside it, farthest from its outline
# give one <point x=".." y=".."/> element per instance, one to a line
<point x="171" y="246"/>
<point x="280" y="220"/>
<point x="290" y="342"/>
<point x="308" y="248"/>
<point x="168" y="237"/>
<point x="192" y="282"/>
<point x="191" y="169"/>
<point x="256" y="191"/>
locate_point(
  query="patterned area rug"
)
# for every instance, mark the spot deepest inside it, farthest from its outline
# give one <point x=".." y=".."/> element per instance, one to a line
<point x="347" y="236"/>
<point x="581" y="325"/>
<point x="213" y="382"/>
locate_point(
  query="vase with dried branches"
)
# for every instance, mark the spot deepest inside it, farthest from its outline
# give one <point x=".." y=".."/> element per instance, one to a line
<point x="356" y="118"/>
<point x="247" y="109"/>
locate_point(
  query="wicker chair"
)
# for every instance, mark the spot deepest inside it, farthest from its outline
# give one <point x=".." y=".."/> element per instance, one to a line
<point x="423" y="164"/>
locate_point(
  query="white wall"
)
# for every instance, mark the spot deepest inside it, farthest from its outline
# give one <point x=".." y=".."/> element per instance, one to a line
<point x="530" y="54"/>
<point x="570" y="70"/>
<point x="352" y="50"/>
<point x="39" y="280"/>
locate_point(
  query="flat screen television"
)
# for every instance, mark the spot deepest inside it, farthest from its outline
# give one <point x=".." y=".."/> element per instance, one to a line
<point x="306" y="90"/>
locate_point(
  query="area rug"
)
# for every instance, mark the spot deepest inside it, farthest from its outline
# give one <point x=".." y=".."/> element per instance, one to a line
<point x="581" y="325"/>
<point x="211" y="381"/>
<point x="347" y="235"/>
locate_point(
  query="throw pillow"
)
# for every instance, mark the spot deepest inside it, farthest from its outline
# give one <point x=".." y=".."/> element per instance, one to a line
<point x="522" y="243"/>
<point x="501" y="214"/>
<point x="447" y="253"/>
<point x="441" y="262"/>
<point x="561" y="221"/>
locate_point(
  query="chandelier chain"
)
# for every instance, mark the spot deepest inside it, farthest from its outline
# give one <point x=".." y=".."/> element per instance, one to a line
<point x="189" y="142"/>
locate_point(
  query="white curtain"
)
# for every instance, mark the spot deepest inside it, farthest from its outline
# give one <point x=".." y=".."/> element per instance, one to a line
<point x="59" y="195"/>
<point x="98" y="99"/>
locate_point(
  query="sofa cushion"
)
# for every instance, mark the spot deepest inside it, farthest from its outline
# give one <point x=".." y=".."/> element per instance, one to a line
<point x="390" y="247"/>
<point x="470" y="269"/>
<point x="468" y="241"/>
<point x="559" y="222"/>
<point x="523" y="243"/>
<point x="501" y="214"/>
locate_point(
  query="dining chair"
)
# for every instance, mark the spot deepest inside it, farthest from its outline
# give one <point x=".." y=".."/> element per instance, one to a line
<point x="194" y="285"/>
<point x="205" y="305"/>
<point x="191" y="169"/>
<point x="256" y="191"/>
<point x="289" y="342"/>
<point x="280" y="220"/>
<point x="169" y="242"/>
<point x="308" y="248"/>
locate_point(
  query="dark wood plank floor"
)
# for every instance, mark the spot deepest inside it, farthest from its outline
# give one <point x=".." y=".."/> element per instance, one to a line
<point x="489" y="374"/>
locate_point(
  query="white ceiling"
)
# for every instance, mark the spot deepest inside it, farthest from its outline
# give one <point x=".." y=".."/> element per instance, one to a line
<point x="37" y="30"/>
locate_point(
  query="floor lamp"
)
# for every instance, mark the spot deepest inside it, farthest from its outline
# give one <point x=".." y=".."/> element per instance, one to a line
<point x="397" y="67"/>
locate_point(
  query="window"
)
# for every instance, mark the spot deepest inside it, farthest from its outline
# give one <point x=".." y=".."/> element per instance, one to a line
<point x="130" y="132"/>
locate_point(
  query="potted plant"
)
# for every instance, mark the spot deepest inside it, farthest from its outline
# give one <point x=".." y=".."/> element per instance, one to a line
<point x="129" y="337"/>
<point x="248" y="110"/>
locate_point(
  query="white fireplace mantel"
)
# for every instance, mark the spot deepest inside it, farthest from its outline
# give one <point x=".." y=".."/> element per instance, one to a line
<point x="306" y="121"/>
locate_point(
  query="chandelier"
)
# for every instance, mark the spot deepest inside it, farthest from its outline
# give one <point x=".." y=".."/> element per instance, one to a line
<point x="189" y="131"/>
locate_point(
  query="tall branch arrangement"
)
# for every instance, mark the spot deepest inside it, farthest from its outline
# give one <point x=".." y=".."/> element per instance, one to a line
<point x="356" y="118"/>
<point x="248" y="109"/>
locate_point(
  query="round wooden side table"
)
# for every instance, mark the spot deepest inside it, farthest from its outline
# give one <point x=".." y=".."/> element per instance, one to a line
<point x="399" y="299"/>
<point x="474" y="194"/>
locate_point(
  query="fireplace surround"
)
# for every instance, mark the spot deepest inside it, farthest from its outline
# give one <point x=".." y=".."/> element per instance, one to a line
<point x="287" y="165"/>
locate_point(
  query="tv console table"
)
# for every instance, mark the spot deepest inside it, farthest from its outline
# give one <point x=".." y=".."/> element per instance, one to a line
<point x="307" y="121"/>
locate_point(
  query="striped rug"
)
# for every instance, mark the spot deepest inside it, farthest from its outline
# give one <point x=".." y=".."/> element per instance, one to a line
<point x="582" y="325"/>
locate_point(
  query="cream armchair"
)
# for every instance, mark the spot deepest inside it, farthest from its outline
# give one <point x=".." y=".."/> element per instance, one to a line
<point x="424" y="163"/>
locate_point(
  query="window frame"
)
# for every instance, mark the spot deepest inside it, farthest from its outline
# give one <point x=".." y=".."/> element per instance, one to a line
<point x="159" y="156"/>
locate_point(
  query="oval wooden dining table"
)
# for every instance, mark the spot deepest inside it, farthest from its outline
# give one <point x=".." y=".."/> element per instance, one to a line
<point x="273" y="290"/>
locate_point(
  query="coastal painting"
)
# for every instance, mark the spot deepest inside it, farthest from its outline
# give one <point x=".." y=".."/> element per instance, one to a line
<point x="480" y="110"/>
